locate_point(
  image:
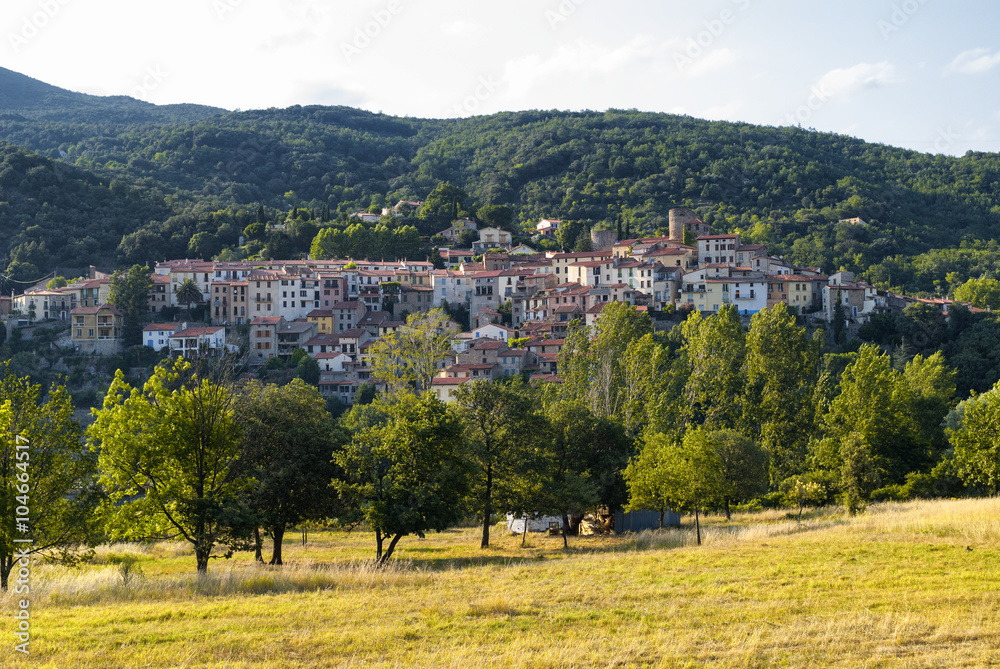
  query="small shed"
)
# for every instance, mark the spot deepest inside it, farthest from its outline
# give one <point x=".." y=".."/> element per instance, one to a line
<point x="637" y="521"/>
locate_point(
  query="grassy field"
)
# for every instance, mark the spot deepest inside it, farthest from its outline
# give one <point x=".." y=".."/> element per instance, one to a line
<point x="904" y="585"/>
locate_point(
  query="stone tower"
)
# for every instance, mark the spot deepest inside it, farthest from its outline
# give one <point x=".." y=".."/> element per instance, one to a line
<point x="679" y="218"/>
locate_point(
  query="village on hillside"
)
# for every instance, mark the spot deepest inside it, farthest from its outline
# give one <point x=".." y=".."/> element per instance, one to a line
<point x="518" y="303"/>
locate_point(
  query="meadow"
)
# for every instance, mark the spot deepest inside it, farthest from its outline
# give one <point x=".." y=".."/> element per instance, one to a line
<point x="912" y="584"/>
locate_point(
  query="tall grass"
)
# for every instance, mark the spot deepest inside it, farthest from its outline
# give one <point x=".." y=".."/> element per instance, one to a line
<point x="973" y="521"/>
<point x="723" y="535"/>
<point x="72" y="587"/>
<point x="115" y="573"/>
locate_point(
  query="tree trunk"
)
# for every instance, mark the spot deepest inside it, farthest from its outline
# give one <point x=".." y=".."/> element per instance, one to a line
<point x="278" y="533"/>
<point x="728" y="516"/>
<point x="378" y="546"/>
<point x="524" y="530"/>
<point x="565" y="528"/>
<point x="697" y="524"/>
<point x="487" y="508"/>
<point x="662" y="512"/>
<point x="388" y="551"/>
<point x="257" y="545"/>
<point x="201" y="553"/>
<point x="6" y="565"/>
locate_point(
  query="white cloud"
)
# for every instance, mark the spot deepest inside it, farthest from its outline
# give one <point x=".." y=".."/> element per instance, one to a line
<point x="974" y="61"/>
<point x="579" y="61"/>
<point x="844" y="81"/>
<point x="726" y="111"/>
<point x="712" y="60"/>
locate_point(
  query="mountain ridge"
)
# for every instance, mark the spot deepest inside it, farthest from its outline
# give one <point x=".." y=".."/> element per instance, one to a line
<point x="32" y="98"/>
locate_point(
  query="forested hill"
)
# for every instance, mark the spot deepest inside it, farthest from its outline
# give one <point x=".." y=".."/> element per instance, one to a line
<point x="23" y="96"/>
<point x="927" y="215"/>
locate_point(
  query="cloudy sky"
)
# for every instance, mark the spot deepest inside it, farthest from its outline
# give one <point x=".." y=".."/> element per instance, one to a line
<point x="921" y="74"/>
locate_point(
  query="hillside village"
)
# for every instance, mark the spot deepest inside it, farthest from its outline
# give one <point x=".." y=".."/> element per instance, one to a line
<point x="519" y="302"/>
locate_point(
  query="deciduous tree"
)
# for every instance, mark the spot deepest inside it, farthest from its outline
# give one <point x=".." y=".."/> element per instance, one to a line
<point x="503" y="431"/>
<point x="129" y="293"/>
<point x="291" y="437"/>
<point x="173" y="461"/>
<point x="42" y="458"/>
<point x="781" y="366"/>
<point x="408" y="359"/>
<point x="408" y="475"/>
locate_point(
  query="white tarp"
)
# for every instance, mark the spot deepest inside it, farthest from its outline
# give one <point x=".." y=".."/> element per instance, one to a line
<point x="535" y="524"/>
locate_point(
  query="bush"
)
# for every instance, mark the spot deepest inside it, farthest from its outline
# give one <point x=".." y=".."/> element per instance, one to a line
<point x="772" y="500"/>
<point x="891" y="493"/>
<point x="750" y="506"/>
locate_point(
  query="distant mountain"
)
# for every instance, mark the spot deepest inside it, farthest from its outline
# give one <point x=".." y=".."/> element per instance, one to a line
<point x="23" y="96"/>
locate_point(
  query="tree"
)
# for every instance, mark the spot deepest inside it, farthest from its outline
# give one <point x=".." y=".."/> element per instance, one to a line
<point x="129" y="293"/>
<point x="781" y="367"/>
<point x="587" y="457"/>
<point x="982" y="292"/>
<point x="407" y="475"/>
<point x="743" y="466"/>
<point x="649" y="477"/>
<point x="875" y="402"/>
<point x="799" y="490"/>
<point x="308" y="370"/>
<point x="188" y="292"/>
<point x="683" y="476"/>
<point x="408" y="359"/>
<point x="204" y="245"/>
<point x="714" y="350"/>
<point x="698" y="474"/>
<point x="328" y="243"/>
<point x="931" y="383"/>
<point x="466" y="238"/>
<point x="56" y="282"/>
<point x="591" y="358"/>
<point x="290" y="441"/>
<point x="858" y="474"/>
<point x="444" y="203"/>
<point x="496" y="215"/>
<point x="568" y="232"/>
<point x="839" y="321"/>
<point x="502" y="429"/>
<point x="977" y="440"/>
<point x="173" y="461"/>
<point x="42" y="457"/>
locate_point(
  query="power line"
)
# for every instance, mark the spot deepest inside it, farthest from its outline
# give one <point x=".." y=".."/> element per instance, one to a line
<point x="29" y="283"/>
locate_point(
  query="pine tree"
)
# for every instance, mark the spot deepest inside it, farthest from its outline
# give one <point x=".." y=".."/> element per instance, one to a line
<point x="839" y="330"/>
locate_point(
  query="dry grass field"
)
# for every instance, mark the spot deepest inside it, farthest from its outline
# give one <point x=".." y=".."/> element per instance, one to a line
<point x="904" y="585"/>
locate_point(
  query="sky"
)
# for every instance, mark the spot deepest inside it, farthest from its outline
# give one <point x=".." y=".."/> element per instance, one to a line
<point x="919" y="74"/>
